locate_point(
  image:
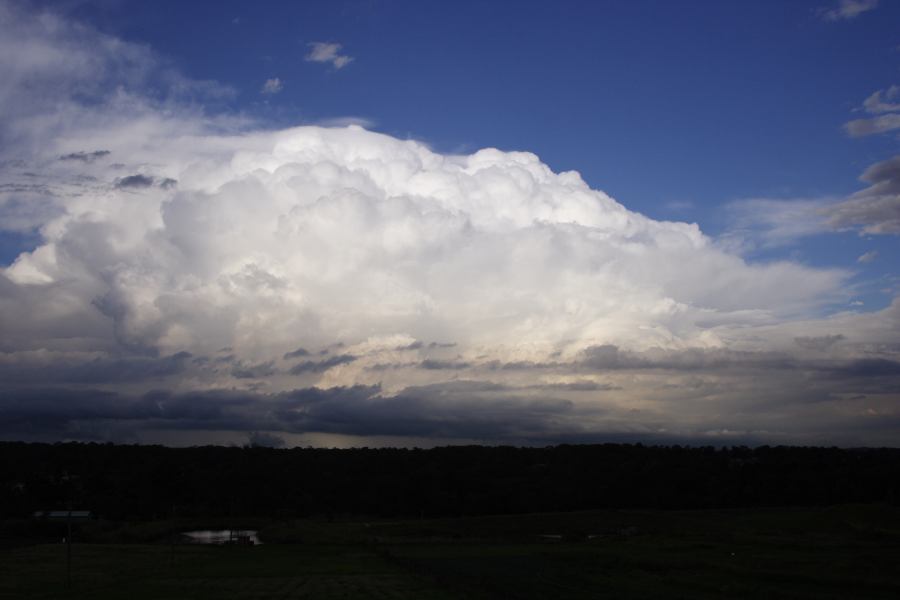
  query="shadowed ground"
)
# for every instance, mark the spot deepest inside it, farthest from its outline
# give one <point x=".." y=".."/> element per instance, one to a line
<point x="838" y="552"/>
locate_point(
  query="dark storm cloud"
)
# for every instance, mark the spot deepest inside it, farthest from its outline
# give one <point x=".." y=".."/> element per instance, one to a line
<point x="139" y="181"/>
<point x="520" y="365"/>
<point x="459" y="386"/>
<point x="294" y="411"/>
<point x="261" y="439"/>
<point x="85" y="157"/>
<point x="713" y="361"/>
<point x="413" y="346"/>
<point x="299" y="352"/>
<point x="869" y="367"/>
<point x="313" y="366"/>
<point x="457" y="409"/>
<point x="434" y="364"/>
<point x="257" y="371"/>
<point x="392" y="365"/>
<point x="134" y="181"/>
<point x="607" y="357"/>
<point x="611" y="358"/>
<point x="209" y="409"/>
<point x="96" y="371"/>
<point x="820" y="343"/>
<point x="53" y="410"/>
<point x="577" y="386"/>
<point x="466" y="409"/>
<point x="32" y="188"/>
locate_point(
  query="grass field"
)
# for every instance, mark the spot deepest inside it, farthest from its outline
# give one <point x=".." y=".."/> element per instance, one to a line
<point x="840" y="552"/>
<point x="141" y="571"/>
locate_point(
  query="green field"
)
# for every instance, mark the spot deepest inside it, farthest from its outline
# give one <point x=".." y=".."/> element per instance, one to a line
<point x="839" y="552"/>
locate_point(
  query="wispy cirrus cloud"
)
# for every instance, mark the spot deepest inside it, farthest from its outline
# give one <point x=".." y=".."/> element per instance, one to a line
<point x="880" y="103"/>
<point x="759" y="224"/>
<point x="867" y="257"/>
<point x="764" y="223"/>
<point x="872" y="126"/>
<point x="875" y="209"/>
<point x="883" y="100"/>
<point x="845" y="10"/>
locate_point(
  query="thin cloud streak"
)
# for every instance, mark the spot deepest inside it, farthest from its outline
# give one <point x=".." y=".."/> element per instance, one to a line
<point x="846" y="10"/>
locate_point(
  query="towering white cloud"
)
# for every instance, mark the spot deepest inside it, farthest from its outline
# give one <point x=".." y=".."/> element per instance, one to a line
<point x="306" y="236"/>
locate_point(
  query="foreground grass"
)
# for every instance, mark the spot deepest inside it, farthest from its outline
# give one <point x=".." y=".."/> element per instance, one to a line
<point x="138" y="572"/>
<point x="840" y="552"/>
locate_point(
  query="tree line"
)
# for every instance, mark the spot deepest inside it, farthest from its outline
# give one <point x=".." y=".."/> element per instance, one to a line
<point x="123" y="482"/>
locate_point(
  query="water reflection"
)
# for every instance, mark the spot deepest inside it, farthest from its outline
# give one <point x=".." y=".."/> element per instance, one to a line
<point x="245" y="537"/>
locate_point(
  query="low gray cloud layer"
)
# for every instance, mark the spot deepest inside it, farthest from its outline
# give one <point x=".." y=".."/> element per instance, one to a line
<point x="86" y="157"/>
<point x="778" y="397"/>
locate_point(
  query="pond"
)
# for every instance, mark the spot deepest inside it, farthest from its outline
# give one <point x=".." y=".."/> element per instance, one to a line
<point x="244" y="537"/>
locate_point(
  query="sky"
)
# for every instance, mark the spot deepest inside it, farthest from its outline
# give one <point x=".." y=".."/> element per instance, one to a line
<point x="374" y="223"/>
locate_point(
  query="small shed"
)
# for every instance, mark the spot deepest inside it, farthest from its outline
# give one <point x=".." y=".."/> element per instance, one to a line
<point x="63" y="515"/>
<point x="69" y="517"/>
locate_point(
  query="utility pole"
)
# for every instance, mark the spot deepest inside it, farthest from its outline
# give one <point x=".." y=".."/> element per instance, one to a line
<point x="69" y="549"/>
<point x="70" y="517"/>
<point x="173" y="541"/>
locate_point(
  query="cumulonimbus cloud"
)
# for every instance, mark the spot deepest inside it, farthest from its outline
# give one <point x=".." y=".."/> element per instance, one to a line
<point x="310" y="235"/>
<point x="194" y="257"/>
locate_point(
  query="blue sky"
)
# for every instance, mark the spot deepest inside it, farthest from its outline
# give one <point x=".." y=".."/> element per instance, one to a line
<point x="674" y="109"/>
<point x="229" y="217"/>
<point x="723" y="100"/>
